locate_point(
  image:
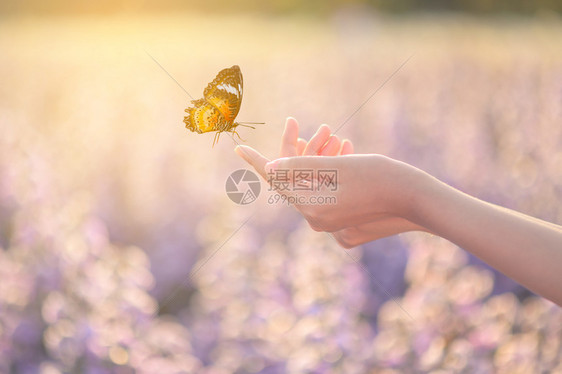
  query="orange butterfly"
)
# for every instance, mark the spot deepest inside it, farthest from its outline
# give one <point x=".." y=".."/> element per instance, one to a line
<point x="220" y="105"/>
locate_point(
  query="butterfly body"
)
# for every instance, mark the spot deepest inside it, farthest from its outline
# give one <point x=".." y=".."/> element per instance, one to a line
<point x="220" y="104"/>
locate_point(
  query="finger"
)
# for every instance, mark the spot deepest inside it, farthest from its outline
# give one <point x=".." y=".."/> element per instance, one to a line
<point x="377" y="229"/>
<point x="317" y="141"/>
<point x="289" y="138"/>
<point x="254" y="158"/>
<point x="332" y="146"/>
<point x="346" y="147"/>
<point x="301" y="145"/>
<point x="301" y="162"/>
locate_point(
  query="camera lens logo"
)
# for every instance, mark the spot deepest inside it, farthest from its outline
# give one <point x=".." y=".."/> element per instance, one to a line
<point x="243" y="187"/>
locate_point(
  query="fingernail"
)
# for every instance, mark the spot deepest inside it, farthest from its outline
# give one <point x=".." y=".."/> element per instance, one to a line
<point x="242" y="151"/>
<point x="320" y="129"/>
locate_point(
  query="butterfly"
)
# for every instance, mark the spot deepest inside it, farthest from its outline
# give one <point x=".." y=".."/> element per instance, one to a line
<point x="219" y="106"/>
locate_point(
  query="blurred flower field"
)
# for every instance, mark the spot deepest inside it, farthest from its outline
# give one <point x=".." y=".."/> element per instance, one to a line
<point x="120" y="251"/>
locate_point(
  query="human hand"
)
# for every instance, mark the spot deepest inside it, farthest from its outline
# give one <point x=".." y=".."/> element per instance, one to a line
<point x="351" y="222"/>
<point x="322" y="143"/>
<point x="377" y="196"/>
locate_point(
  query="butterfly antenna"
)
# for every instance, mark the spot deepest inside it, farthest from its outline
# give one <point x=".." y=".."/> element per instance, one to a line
<point x="247" y="124"/>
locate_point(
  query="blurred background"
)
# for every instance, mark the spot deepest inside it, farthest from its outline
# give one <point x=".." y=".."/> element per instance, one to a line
<point x="120" y="251"/>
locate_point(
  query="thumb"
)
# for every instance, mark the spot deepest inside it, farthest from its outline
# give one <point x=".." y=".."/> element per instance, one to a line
<point x="299" y="162"/>
<point x="254" y="158"/>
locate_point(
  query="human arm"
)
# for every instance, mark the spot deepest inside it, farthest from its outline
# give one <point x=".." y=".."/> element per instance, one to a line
<point x="524" y="248"/>
<point x="378" y="196"/>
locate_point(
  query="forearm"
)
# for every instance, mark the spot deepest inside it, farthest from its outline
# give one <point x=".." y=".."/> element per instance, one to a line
<point x="524" y="248"/>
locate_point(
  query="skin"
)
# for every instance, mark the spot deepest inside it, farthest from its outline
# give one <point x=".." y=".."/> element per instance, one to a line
<point x="377" y="196"/>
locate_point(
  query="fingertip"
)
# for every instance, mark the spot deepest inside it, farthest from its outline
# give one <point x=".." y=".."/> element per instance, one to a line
<point x="250" y="155"/>
<point x="240" y="151"/>
<point x="324" y="128"/>
<point x="292" y="125"/>
<point x="347" y="147"/>
<point x="243" y="148"/>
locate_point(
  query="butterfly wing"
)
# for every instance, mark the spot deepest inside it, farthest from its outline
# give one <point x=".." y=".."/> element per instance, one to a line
<point x="203" y="117"/>
<point x="225" y="92"/>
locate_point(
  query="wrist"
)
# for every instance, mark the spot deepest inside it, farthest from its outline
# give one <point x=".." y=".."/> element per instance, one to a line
<point x="423" y="193"/>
